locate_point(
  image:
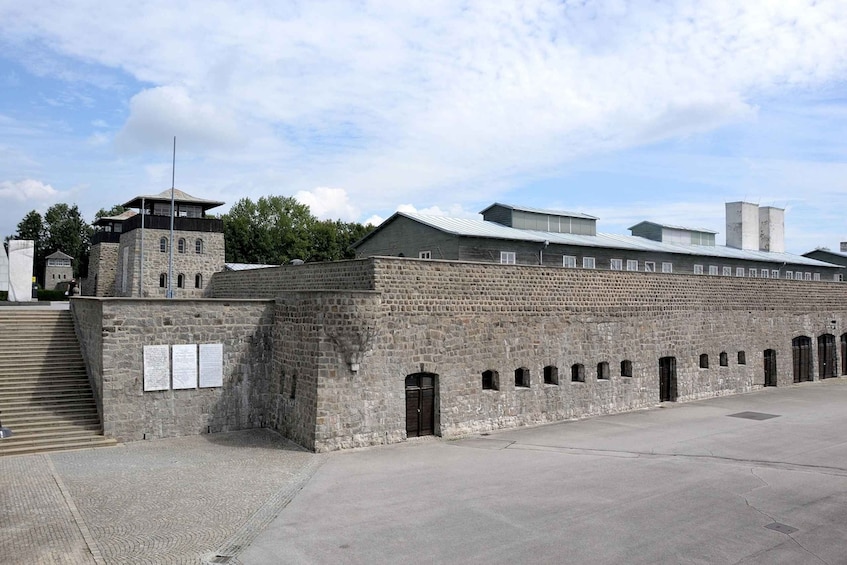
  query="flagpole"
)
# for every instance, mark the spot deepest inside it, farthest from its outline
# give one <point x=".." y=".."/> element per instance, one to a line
<point x="141" y="258"/>
<point x="171" y="246"/>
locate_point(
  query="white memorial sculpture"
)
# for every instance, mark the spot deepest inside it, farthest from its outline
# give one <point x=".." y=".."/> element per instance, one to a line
<point x="21" y="256"/>
<point x="4" y="271"/>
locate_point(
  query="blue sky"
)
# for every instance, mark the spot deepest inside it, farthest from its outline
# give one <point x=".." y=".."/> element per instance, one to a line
<point x="627" y="111"/>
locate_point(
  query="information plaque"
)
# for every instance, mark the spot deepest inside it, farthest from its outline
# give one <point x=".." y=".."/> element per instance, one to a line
<point x="211" y="364"/>
<point x="184" y="359"/>
<point x="156" y="367"/>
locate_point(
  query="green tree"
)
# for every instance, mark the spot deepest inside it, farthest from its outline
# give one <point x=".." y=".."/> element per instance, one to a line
<point x="115" y="210"/>
<point x="332" y="240"/>
<point x="277" y="229"/>
<point x="274" y="230"/>
<point x="69" y="233"/>
<point x="31" y="227"/>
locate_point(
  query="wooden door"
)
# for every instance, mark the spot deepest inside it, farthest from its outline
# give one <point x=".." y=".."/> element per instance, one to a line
<point x="770" y="367"/>
<point x="667" y="379"/>
<point x="420" y="404"/>
<point x="827" y="357"/>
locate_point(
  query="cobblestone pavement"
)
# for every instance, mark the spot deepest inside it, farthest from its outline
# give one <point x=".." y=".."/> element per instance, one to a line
<point x="199" y="499"/>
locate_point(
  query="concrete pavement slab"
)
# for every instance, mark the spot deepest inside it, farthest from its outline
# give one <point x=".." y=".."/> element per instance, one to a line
<point x="685" y="483"/>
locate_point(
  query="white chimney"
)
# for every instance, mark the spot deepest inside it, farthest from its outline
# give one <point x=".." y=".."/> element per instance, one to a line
<point x="742" y="225"/>
<point x="844" y="246"/>
<point x="772" y="229"/>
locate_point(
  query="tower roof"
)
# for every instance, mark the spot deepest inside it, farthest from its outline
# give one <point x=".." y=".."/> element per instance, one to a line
<point x="178" y="197"/>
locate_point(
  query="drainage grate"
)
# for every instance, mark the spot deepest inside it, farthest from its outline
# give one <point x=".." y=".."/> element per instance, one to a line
<point x="781" y="528"/>
<point x="754" y="415"/>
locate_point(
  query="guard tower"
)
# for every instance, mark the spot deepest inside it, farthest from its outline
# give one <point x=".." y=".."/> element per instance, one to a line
<point x="103" y="258"/>
<point x="59" y="269"/>
<point x="145" y="243"/>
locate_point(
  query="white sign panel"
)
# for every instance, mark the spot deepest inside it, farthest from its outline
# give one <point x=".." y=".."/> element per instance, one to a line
<point x="211" y="364"/>
<point x="184" y="358"/>
<point x="156" y="367"/>
<point x="21" y="255"/>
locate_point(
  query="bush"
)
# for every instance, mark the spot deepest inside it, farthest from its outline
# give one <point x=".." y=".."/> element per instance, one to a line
<point x="51" y="295"/>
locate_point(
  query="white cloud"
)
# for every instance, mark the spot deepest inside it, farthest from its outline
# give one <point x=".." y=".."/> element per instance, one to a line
<point x="27" y="190"/>
<point x="99" y="139"/>
<point x="453" y="211"/>
<point x="328" y="203"/>
<point x="159" y="114"/>
<point x="472" y="90"/>
<point x="374" y="221"/>
<point x="429" y="102"/>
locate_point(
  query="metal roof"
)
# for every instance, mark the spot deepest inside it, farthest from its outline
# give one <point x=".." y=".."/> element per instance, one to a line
<point x="830" y="251"/>
<point x="541" y="211"/>
<point x="481" y="228"/>
<point x="119" y="218"/>
<point x="58" y="255"/>
<point x="672" y="227"/>
<point x="179" y="196"/>
<point x="245" y="266"/>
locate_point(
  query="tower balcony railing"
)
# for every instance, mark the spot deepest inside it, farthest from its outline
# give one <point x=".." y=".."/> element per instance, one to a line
<point x="105" y="237"/>
<point x="207" y="225"/>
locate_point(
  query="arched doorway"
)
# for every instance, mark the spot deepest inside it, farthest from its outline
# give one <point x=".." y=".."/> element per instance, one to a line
<point x="827" y="356"/>
<point x="770" y="367"/>
<point x="420" y="404"/>
<point x="667" y="379"/>
<point x="801" y="352"/>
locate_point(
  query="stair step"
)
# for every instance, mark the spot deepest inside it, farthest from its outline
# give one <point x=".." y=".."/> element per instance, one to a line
<point x="32" y="414"/>
<point x="54" y="445"/>
<point x="9" y="372"/>
<point x="44" y="432"/>
<point x="11" y="399"/>
<point x="42" y="369"/>
<point x="45" y="378"/>
<point x="42" y="392"/>
<point x="16" y="406"/>
<point x="29" y="381"/>
<point x="36" y="392"/>
<point x="36" y="439"/>
<point x="90" y="419"/>
<point x="46" y="398"/>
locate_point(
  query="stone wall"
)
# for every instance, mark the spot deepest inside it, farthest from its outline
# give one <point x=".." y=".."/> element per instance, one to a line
<point x="188" y="264"/>
<point x="326" y="401"/>
<point x="269" y="282"/>
<point x="88" y="323"/>
<point x="345" y="335"/>
<point x="459" y="319"/>
<point x="55" y="275"/>
<point x="114" y="331"/>
<point x="102" y="268"/>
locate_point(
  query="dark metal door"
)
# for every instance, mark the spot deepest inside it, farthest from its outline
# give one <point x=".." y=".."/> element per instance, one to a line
<point x="420" y="404"/>
<point x="770" y="367"/>
<point x="667" y="379"/>
<point x="827" y="356"/>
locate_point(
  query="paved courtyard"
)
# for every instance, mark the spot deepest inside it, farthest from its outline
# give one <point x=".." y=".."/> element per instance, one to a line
<point x="753" y="479"/>
<point x="185" y="500"/>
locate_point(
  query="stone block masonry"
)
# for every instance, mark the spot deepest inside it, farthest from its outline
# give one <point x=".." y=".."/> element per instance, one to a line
<point x="114" y="331"/>
<point x="325" y="358"/>
<point x="457" y="320"/>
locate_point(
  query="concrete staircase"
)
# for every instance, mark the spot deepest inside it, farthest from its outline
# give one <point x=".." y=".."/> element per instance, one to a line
<point x="45" y="396"/>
